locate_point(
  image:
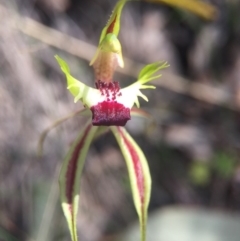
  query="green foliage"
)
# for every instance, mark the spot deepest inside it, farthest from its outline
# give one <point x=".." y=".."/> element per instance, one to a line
<point x="224" y="165"/>
<point x="200" y="173"/>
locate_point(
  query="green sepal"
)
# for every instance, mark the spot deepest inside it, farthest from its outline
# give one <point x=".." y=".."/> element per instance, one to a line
<point x="108" y="41"/>
<point x="139" y="174"/>
<point x="70" y="175"/>
<point x="113" y="24"/>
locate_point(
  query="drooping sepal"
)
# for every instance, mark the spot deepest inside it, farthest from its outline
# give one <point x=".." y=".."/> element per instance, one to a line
<point x="70" y="175"/>
<point x="138" y="172"/>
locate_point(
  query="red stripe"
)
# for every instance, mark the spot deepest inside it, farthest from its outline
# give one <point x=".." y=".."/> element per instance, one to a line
<point x="72" y="166"/>
<point x="111" y="26"/>
<point x="137" y="165"/>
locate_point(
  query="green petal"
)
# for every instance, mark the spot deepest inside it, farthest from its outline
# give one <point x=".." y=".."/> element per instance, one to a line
<point x="89" y="96"/>
<point x="132" y="92"/>
<point x="139" y="174"/>
<point x="70" y="175"/>
<point x="146" y="74"/>
<point x="72" y="84"/>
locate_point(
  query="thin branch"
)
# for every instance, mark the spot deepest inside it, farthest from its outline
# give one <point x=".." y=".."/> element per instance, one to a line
<point x="54" y="125"/>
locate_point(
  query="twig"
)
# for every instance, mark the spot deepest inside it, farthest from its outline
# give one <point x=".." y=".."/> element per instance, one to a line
<point x="47" y="217"/>
<point x="54" y="125"/>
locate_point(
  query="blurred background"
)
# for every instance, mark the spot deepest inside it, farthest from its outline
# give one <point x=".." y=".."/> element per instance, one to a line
<point x="192" y="146"/>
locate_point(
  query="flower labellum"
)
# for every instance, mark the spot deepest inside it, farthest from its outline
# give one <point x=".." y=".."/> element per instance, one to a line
<point x="110" y="112"/>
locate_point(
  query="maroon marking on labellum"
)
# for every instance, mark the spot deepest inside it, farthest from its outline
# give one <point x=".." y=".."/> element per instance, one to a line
<point x="110" y="113"/>
<point x="72" y="166"/>
<point x="136" y="164"/>
<point x="106" y="89"/>
<point x="111" y="26"/>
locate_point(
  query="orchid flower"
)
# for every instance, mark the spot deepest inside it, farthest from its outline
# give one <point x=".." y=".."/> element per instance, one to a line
<point x="111" y="107"/>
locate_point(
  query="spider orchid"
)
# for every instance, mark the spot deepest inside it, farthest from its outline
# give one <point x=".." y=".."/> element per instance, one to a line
<point x="111" y="107"/>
